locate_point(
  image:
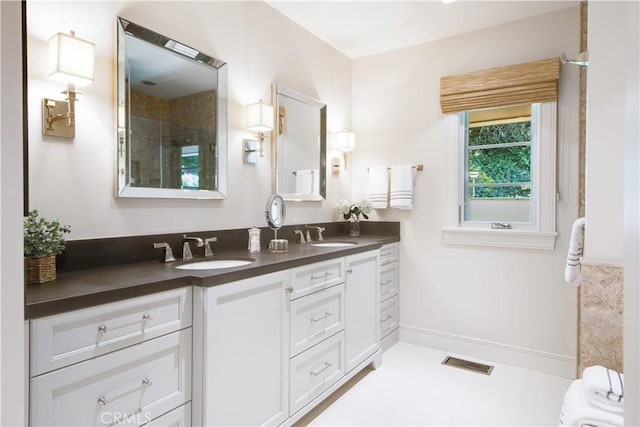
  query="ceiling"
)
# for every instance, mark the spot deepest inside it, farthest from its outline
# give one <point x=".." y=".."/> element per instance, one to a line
<point x="362" y="28"/>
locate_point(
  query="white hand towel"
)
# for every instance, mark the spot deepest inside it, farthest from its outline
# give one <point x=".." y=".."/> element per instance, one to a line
<point x="604" y="388"/>
<point x="572" y="269"/>
<point x="315" y="181"/>
<point x="576" y="411"/>
<point x="401" y="195"/>
<point x="378" y="187"/>
<point x="304" y="181"/>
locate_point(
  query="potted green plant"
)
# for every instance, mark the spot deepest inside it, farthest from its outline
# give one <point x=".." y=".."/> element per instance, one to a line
<point x="43" y="240"/>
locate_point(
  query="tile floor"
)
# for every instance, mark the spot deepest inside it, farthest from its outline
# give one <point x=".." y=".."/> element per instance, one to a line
<point x="413" y="388"/>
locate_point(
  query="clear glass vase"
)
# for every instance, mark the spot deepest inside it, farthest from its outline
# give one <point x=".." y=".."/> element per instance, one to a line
<point x="355" y="229"/>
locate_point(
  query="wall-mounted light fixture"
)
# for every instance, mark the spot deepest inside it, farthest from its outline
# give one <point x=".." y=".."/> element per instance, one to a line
<point x="582" y="59"/>
<point x="259" y="119"/>
<point x="344" y="142"/>
<point x="71" y="62"/>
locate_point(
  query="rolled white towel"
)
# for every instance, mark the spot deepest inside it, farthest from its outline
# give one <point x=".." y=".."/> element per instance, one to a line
<point x="572" y="269"/>
<point x="576" y="410"/>
<point x="604" y="388"/>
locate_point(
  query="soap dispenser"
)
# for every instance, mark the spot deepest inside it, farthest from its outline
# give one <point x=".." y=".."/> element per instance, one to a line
<point x="254" y="239"/>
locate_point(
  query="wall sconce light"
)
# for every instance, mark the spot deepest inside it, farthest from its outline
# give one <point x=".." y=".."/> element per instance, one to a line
<point x="582" y="59"/>
<point x="71" y="62"/>
<point x="344" y="142"/>
<point x="259" y="119"/>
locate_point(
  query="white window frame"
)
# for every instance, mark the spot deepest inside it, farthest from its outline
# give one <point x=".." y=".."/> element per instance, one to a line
<point x="541" y="233"/>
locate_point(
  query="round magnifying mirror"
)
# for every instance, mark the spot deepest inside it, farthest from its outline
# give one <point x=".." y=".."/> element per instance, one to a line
<point x="275" y="211"/>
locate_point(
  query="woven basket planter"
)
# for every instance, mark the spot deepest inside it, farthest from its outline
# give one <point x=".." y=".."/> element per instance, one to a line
<point x="40" y="269"/>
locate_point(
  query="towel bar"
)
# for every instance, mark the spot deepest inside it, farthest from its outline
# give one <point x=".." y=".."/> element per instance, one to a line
<point x="418" y="167"/>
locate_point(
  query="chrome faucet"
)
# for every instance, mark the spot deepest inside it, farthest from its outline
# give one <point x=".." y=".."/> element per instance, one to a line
<point x="207" y="245"/>
<point x="168" y="253"/>
<point x="299" y="232"/>
<point x="186" y="248"/>
<point x="318" y="229"/>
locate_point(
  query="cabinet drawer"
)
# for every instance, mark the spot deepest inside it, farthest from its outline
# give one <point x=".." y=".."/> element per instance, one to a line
<point x="388" y="280"/>
<point x="131" y="386"/>
<point x="179" y="417"/>
<point x="311" y="278"/>
<point x="389" y="253"/>
<point x="315" y="370"/>
<point x="72" y="337"/>
<point x="316" y="317"/>
<point x="389" y="316"/>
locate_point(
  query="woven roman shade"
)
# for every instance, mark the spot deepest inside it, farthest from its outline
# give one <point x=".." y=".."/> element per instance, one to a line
<point x="525" y="83"/>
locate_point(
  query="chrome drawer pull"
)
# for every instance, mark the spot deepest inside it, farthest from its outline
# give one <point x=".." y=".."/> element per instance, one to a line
<point x="350" y="270"/>
<point x="322" y="276"/>
<point x="103" y="328"/>
<point x="389" y="317"/>
<point x="326" y="366"/>
<point x="386" y="282"/>
<point x="289" y="289"/>
<point x="317" y="319"/>
<point x="145" y="383"/>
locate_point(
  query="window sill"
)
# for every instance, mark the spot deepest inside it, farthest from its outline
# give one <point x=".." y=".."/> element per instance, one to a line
<point x="499" y="238"/>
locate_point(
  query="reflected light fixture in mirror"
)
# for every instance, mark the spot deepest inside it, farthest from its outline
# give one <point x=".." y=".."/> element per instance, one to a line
<point x="260" y="119"/>
<point x="344" y="142"/>
<point x="71" y="60"/>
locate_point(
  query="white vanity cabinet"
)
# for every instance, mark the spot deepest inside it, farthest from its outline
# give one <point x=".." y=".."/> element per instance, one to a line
<point x="127" y="362"/>
<point x="362" y="334"/>
<point x="241" y="352"/>
<point x="389" y="295"/>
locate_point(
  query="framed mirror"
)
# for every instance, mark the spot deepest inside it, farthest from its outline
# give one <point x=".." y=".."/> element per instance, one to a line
<point x="172" y="118"/>
<point x="301" y="146"/>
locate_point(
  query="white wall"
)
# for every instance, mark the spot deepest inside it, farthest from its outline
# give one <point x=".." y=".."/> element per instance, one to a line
<point x="12" y="366"/>
<point x="74" y="180"/>
<point x="617" y="116"/>
<point x="604" y="180"/>
<point x="507" y="299"/>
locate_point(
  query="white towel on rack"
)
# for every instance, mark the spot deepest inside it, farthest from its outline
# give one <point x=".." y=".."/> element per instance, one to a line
<point x="315" y="181"/>
<point x="401" y="194"/>
<point x="572" y="269"/>
<point x="304" y="181"/>
<point x="378" y="186"/>
<point x="604" y="388"/>
<point x="576" y="410"/>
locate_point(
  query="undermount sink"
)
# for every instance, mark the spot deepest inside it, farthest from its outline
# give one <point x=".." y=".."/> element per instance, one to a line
<point x="214" y="264"/>
<point x="333" y="244"/>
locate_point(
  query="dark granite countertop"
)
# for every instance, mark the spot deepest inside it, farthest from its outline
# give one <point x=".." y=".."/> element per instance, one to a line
<point x="86" y="288"/>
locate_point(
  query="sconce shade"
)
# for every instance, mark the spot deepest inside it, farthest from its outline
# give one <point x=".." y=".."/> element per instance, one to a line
<point x="345" y="141"/>
<point x="71" y="59"/>
<point x="260" y="117"/>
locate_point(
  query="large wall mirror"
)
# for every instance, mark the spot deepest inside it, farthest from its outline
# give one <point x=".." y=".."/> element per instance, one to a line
<point x="301" y="146"/>
<point x="172" y="118"/>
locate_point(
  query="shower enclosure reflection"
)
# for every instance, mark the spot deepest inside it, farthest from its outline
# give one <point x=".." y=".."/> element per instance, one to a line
<point x="171" y="118"/>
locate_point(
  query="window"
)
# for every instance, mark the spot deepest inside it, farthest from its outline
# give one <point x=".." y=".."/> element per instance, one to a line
<point x="498" y="148"/>
<point x="190" y="167"/>
<point x="502" y="184"/>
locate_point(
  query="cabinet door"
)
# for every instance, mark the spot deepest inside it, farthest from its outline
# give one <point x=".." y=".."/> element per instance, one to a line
<point x="362" y="289"/>
<point x="246" y="352"/>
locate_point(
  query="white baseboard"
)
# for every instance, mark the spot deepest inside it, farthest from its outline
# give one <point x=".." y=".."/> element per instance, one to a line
<point x="390" y="339"/>
<point x="549" y="363"/>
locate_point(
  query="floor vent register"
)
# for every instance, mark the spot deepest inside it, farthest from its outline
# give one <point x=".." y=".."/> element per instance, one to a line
<point x="468" y="365"/>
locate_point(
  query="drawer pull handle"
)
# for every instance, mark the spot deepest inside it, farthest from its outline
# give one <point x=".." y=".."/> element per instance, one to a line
<point x="387" y="318"/>
<point x="321" y="276"/>
<point x="289" y="289"/>
<point x="104" y="401"/>
<point x="317" y="319"/>
<point x="104" y="329"/>
<point x="349" y="270"/>
<point x="386" y="282"/>
<point x="326" y="366"/>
